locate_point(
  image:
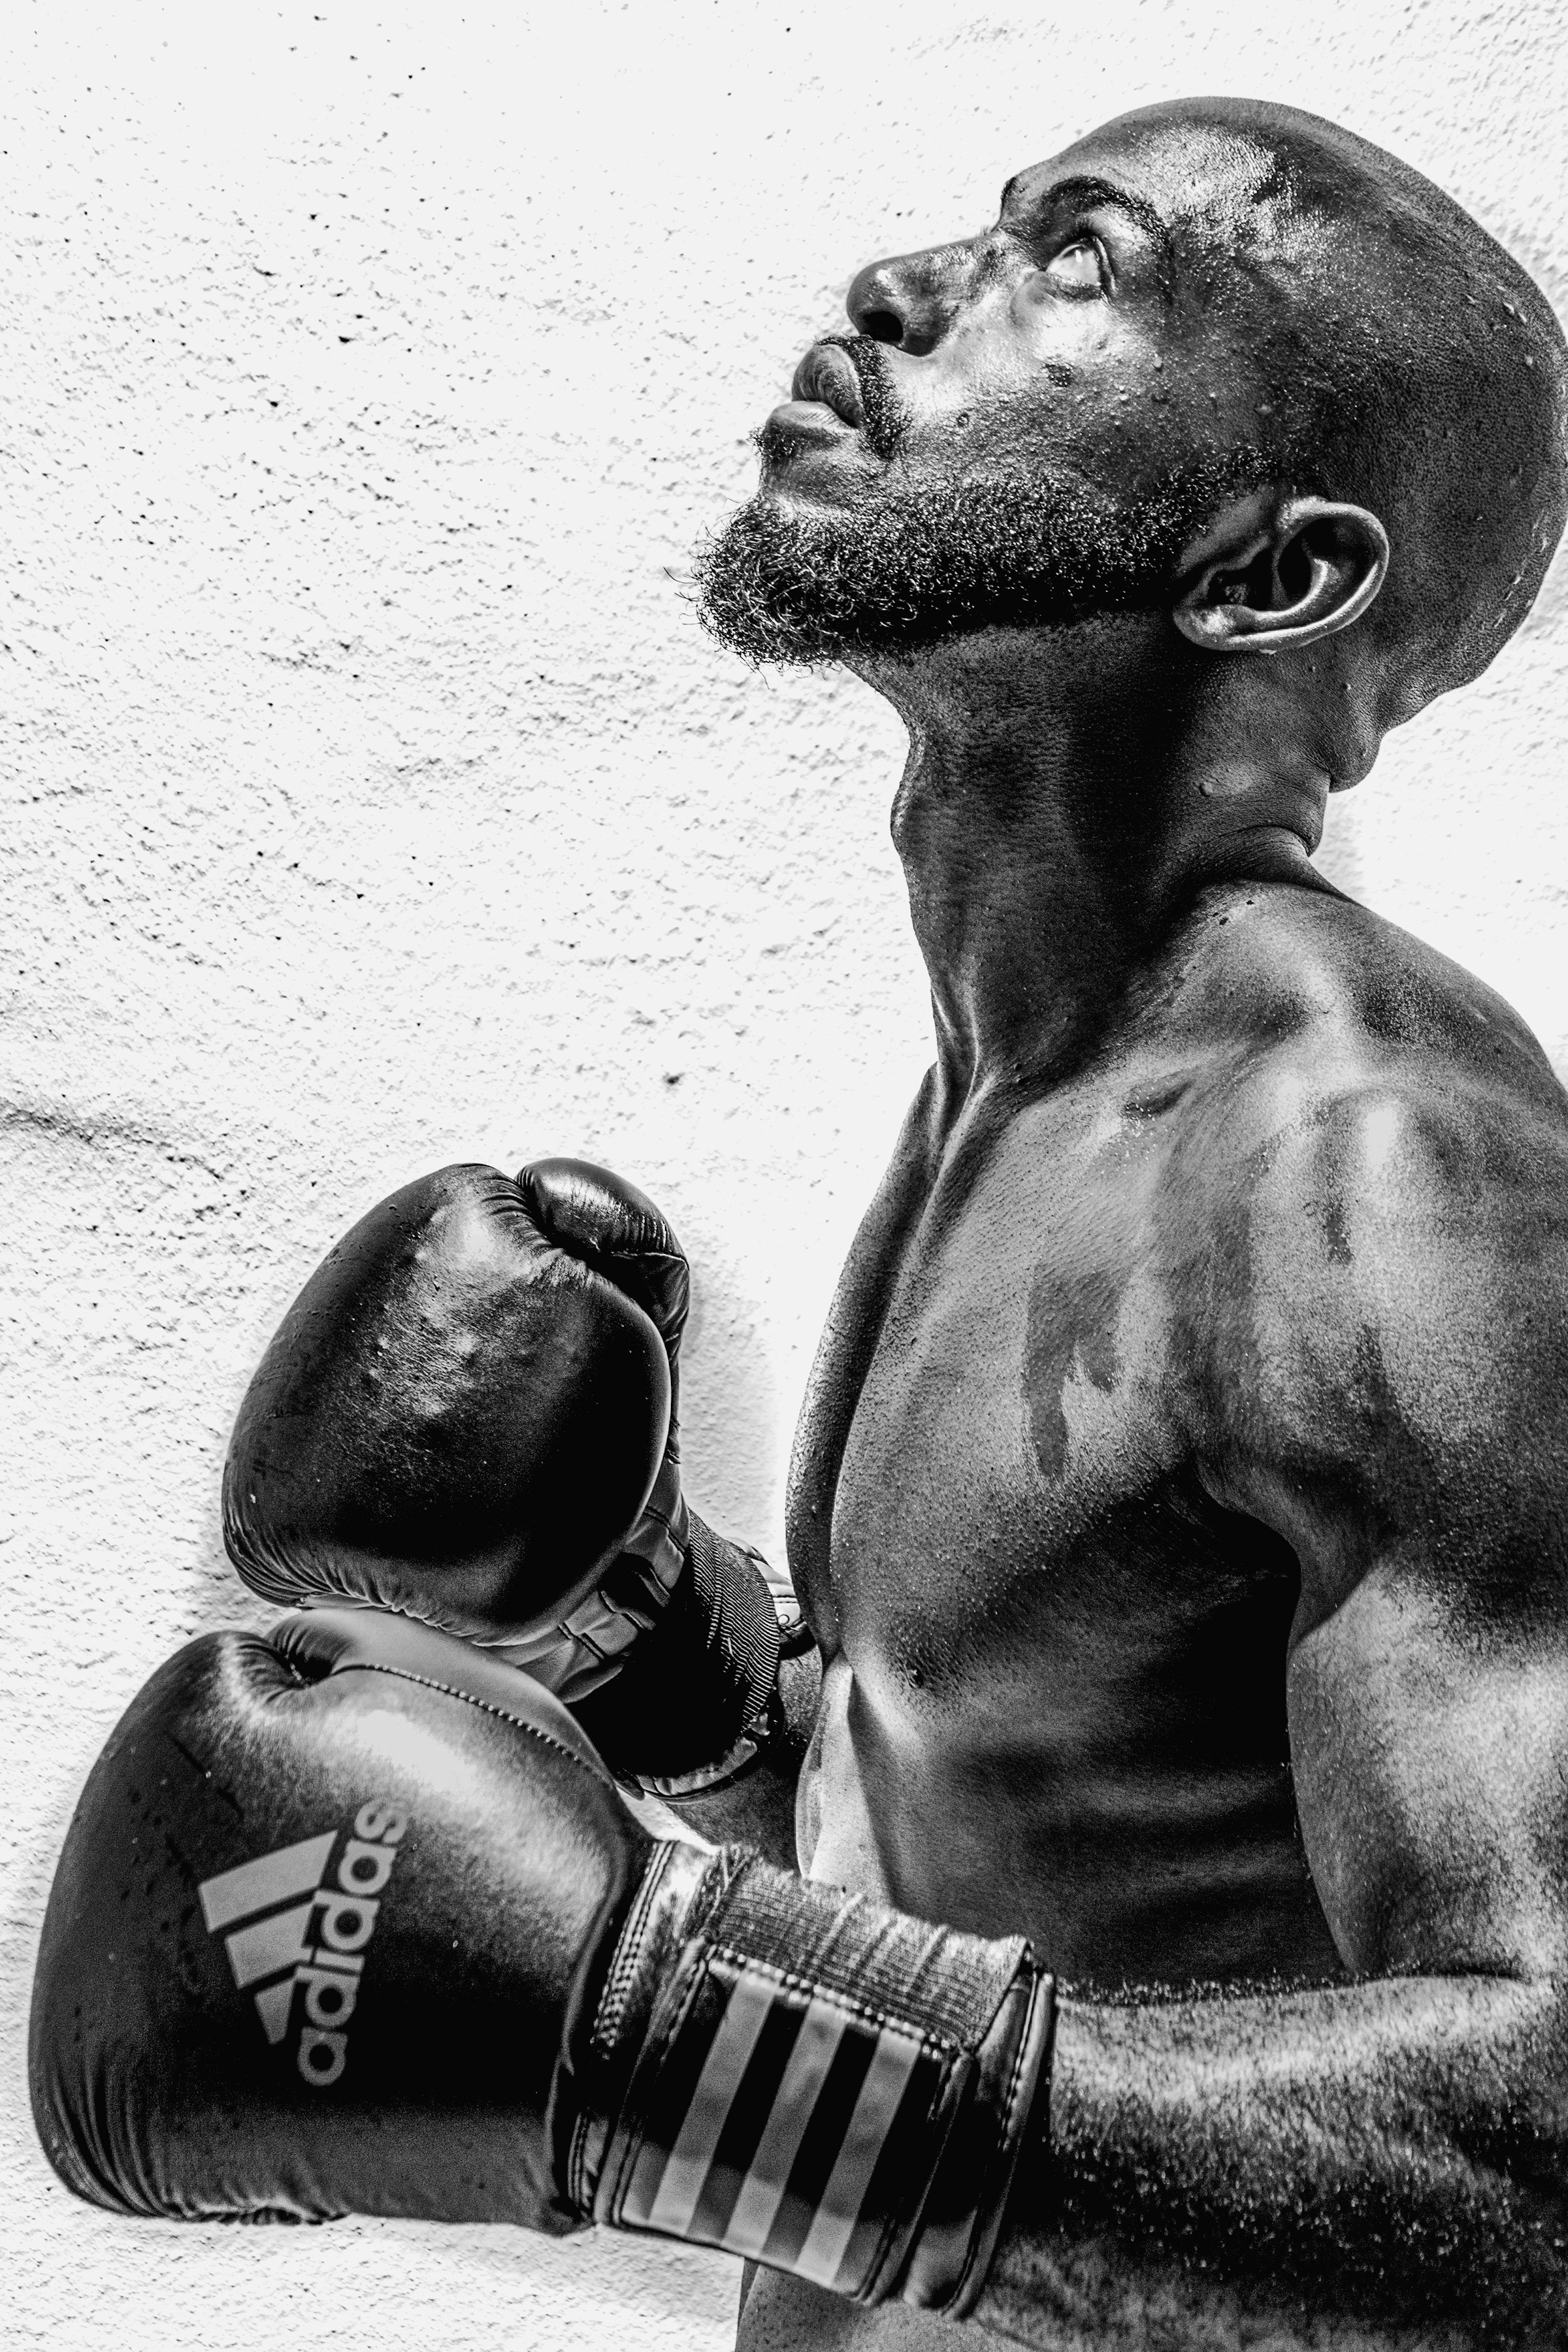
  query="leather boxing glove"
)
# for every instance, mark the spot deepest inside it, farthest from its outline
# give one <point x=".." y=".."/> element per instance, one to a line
<point x="352" y="1919"/>
<point x="467" y="1415"/>
<point x="695" y="1699"/>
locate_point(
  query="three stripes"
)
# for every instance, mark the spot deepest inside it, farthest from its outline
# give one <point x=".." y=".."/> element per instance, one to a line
<point x="279" y="1941"/>
<point x="781" y="2125"/>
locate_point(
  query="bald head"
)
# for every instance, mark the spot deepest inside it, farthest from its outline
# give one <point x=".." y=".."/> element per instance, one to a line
<point x="1400" y="357"/>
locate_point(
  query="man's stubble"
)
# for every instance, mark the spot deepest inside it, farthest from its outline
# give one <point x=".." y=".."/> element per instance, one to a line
<point x="923" y="556"/>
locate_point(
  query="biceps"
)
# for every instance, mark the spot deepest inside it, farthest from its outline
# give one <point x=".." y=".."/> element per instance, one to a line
<point x="1431" y="1766"/>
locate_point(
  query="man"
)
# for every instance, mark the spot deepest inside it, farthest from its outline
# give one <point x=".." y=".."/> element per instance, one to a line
<point x="1178" y="1494"/>
<point x="1177" y="1502"/>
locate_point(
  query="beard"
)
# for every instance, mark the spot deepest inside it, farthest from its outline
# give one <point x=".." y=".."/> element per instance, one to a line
<point x="908" y="567"/>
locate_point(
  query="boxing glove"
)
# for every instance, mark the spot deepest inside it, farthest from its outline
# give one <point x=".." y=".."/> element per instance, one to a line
<point x="468" y="1416"/>
<point x="351" y="1919"/>
<point x="695" y="1698"/>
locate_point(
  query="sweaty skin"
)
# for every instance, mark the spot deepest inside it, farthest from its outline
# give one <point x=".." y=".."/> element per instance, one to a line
<point x="1135" y="1637"/>
<point x="1179" y="1498"/>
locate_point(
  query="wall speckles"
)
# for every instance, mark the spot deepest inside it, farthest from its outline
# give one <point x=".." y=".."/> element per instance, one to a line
<point x="373" y="799"/>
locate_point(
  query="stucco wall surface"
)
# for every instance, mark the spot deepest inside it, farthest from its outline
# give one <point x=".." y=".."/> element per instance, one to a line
<point x="373" y="799"/>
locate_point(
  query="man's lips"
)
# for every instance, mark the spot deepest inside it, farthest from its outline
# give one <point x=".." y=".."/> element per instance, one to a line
<point x="842" y="402"/>
<point x="828" y="373"/>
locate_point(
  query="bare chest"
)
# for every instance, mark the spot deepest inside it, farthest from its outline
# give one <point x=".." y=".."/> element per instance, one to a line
<point x="1056" y="1686"/>
<point x="1014" y="1460"/>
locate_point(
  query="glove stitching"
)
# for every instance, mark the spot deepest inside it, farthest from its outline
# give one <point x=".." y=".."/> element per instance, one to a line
<point x="627" y="1959"/>
<point x="1003" y="2139"/>
<point x="488" y="1706"/>
<point x="1044" y="1990"/>
<point x="577" y="2191"/>
<point x="656" y="2045"/>
<point x="897" y="2222"/>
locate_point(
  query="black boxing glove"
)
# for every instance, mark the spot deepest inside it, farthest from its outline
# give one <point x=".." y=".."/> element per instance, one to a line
<point x="696" y="1700"/>
<point x="352" y="1919"/>
<point x="467" y="1415"/>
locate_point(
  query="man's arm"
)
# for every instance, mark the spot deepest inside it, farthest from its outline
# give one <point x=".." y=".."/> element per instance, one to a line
<point x="1393" y="2152"/>
<point x="1390" y="2153"/>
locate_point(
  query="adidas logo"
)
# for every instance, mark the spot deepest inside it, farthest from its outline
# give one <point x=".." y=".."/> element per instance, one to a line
<point x="318" y="1942"/>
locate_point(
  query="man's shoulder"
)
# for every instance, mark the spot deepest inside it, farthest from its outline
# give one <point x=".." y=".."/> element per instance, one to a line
<point x="1375" y="1159"/>
<point x="1334" y="1033"/>
<point x="1365" y="1254"/>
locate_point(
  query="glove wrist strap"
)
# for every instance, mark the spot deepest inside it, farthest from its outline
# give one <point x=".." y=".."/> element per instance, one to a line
<point x="692" y="1704"/>
<point x="811" y="2080"/>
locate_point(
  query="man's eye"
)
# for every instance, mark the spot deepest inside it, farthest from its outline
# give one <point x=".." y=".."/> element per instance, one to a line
<point x="1076" y="269"/>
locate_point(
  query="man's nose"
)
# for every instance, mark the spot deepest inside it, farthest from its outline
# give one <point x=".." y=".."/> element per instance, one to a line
<point x="911" y="300"/>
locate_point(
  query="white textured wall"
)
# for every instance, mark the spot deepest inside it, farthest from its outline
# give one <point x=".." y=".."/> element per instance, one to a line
<point x="373" y="799"/>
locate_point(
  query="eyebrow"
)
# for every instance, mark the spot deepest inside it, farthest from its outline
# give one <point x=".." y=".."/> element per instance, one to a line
<point x="1083" y="189"/>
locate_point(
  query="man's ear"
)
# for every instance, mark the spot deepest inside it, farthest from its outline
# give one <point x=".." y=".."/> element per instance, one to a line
<point x="1262" y="583"/>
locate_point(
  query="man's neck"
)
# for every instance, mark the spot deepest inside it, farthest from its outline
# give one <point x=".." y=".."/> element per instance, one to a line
<point x="1054" y="822"/>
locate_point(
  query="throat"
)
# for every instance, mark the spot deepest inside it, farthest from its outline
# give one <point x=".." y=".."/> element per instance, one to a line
<point x="1056" y="816"/>
<point x="1032" y="905"/>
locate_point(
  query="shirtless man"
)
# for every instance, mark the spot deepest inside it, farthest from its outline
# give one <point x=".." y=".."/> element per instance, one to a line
<point x="1179" y="1495"/>
<point x="1178" y="1504"/>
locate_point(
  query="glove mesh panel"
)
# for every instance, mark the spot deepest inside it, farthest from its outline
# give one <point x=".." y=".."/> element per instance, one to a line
<point x="701" y="1675"/>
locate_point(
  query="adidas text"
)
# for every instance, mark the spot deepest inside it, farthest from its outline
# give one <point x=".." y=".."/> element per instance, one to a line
<point x="285" y="1926"/>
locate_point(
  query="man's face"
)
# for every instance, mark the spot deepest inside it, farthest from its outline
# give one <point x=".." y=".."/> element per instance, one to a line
<point x="1026" y="427"/>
